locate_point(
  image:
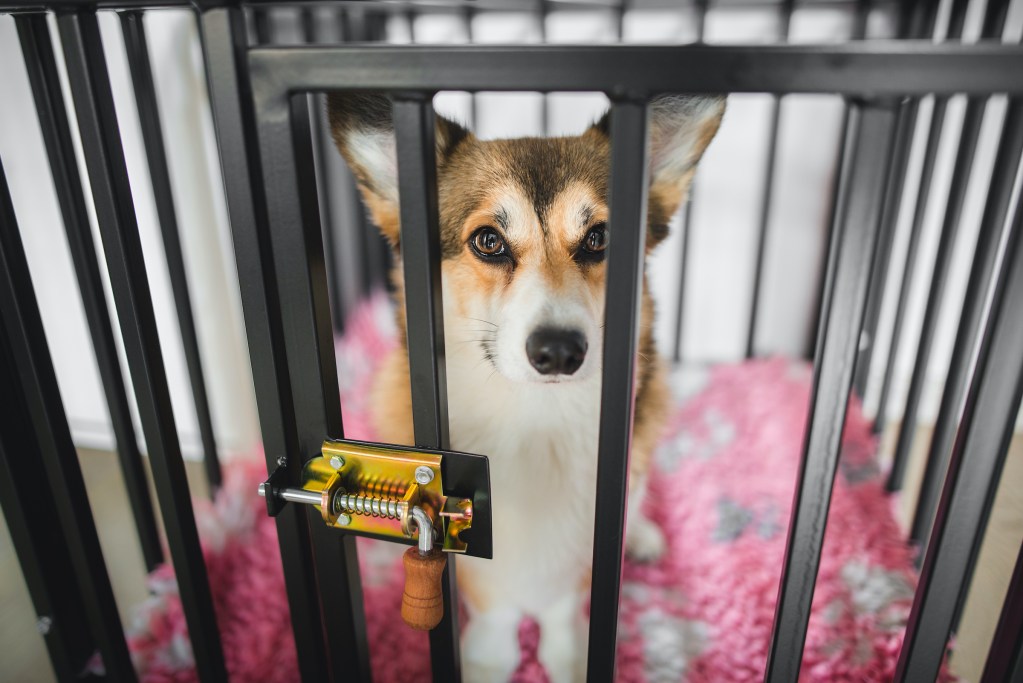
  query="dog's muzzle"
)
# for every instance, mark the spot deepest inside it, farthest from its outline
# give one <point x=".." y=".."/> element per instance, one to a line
<point x="555" y="351"/>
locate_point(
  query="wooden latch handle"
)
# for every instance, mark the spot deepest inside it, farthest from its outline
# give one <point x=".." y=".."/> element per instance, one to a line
<point x="422" y="604"/>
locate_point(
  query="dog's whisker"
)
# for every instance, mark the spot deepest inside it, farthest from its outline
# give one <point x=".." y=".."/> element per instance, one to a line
<point x="480" y="320"/>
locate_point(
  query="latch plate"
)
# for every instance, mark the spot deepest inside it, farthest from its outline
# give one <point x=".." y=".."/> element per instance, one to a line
<point x="370" y="489"/>
<point x="375" y="482"/>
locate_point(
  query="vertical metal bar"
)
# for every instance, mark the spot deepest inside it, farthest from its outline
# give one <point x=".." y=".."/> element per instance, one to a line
<point x="24" y="339"/>
<point x="858" y="32"/>
<point x="785" y="21"/>
<point x="686" y="227"/>
<point x="897" y="471"/>
<point x="842" y="315"/>
<point x="1005" y="658"/>
<point x="101" y="141"/>
<point x="41" y="65"/>
<point x="996" y="208"/>
<point x="627" y="198"/>
<point x="994" y="21"/>
<point x="152" y="137"/>
<point x="973" y="473"/>
<point x="224" y="46"/>
<point x="954" y="32"/>
<point x="468" y="15"/>
<point x="308" y="21"/>
<point x="414" y="124"/>
<point x="915" y="19"/>
<point x="369" y="244"/>
<point x="264" y="25"/>
<point x="882" y="251"/>
<point x="324" y="183"/>
<point x="701" y="7"/>
<point x="40" y="542"/>
<point x="545" y="123"/>
<point x="285" y="147"/>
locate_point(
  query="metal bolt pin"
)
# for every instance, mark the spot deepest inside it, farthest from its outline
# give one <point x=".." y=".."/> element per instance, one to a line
<point x="424" y="475"/>
<point x="337" y="462"/>
<point x="344" y="520"/>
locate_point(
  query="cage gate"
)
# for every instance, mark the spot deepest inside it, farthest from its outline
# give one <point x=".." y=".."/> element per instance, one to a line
<point x="267" y="139"/>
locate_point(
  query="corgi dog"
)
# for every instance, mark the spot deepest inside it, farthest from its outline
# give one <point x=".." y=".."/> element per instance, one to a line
<point x="525" y="235"/>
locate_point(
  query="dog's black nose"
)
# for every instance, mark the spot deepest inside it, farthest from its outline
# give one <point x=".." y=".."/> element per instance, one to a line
<point x="556" y="352"/>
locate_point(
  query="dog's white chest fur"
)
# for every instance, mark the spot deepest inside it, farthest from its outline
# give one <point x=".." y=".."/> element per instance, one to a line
<point x="542" y="444"/>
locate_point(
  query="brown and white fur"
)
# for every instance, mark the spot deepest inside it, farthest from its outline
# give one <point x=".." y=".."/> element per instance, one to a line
<point x="543" y="197"/>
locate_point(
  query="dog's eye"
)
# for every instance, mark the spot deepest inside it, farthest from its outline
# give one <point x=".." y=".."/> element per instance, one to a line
<point x="488" y="243"/>
<point x="593" y="244"/>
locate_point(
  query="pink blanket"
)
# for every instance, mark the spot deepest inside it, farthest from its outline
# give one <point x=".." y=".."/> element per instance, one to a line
<point x="722" y="485"/>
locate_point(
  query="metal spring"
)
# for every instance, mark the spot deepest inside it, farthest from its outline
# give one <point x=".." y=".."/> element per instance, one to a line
<point x="366" y="505"/>
<point x="383" y="488"/>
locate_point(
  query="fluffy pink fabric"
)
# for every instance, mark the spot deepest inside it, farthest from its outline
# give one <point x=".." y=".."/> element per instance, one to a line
<point x="722" y="489"/>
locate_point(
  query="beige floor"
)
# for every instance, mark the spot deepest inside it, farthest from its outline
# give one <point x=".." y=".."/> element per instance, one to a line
<point x="25" y="658"/>
<point x="997" y="553"/>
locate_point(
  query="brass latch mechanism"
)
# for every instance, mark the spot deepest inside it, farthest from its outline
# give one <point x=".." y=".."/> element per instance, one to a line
<point x="398" y="494"/>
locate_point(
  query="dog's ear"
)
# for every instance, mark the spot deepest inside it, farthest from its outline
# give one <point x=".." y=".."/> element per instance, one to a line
<point x="680" y="128"/>
<point x="363" y="131"/>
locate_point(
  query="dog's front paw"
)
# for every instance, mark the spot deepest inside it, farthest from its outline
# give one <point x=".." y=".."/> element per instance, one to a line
<point x="644" y="540"/>
<point x="481" y="671"/>
<point x="490" y="646"/>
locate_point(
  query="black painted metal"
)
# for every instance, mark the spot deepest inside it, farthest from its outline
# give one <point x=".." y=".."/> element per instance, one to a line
<point x="842" y="312"/>
<point x="468" y="16"/>
<point x="1005" y="658"/>
<point x="1003" y="178"/>
<point x="897" y="472"/>
<point x="285" y="146"/>
<point x="104" y="158"/>
<point x="224" y="43"/>
<point x="541" y="17"/>
<point x="957" y="19"/>
<point x="943" y="261"/>
<point x="680" y="311"/>
<point x="881" y="68"/>
<point x="950" y="226"/>
<point x="39" y="540"/>
<point x="972" y="120"/>
<point x="785" y="21"/>
<point x="978" y="456"/>
<point x="917" y="20"/>
<point x="263" y="23"/>
<point x="882" y="251"/>
<point x="41" y="66"/>
<point x="686" y="226"/>
<point x="32" y="390"/>
<point x="325" y="181"/>
<point x="627" y="202"/>
<point x="382" y="7"/>
<point x="415" y="123"/>
<point x="846" y="140"/>
<point x="149" y="118"/>
<point x="275" y="210"/>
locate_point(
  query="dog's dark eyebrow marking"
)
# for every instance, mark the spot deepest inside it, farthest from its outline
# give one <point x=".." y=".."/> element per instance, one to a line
<point x="586" y="215"/>
<point x="501" y="218"/>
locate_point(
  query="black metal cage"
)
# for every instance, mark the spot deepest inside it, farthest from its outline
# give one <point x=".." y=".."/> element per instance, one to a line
<point x="260" y="98"/>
